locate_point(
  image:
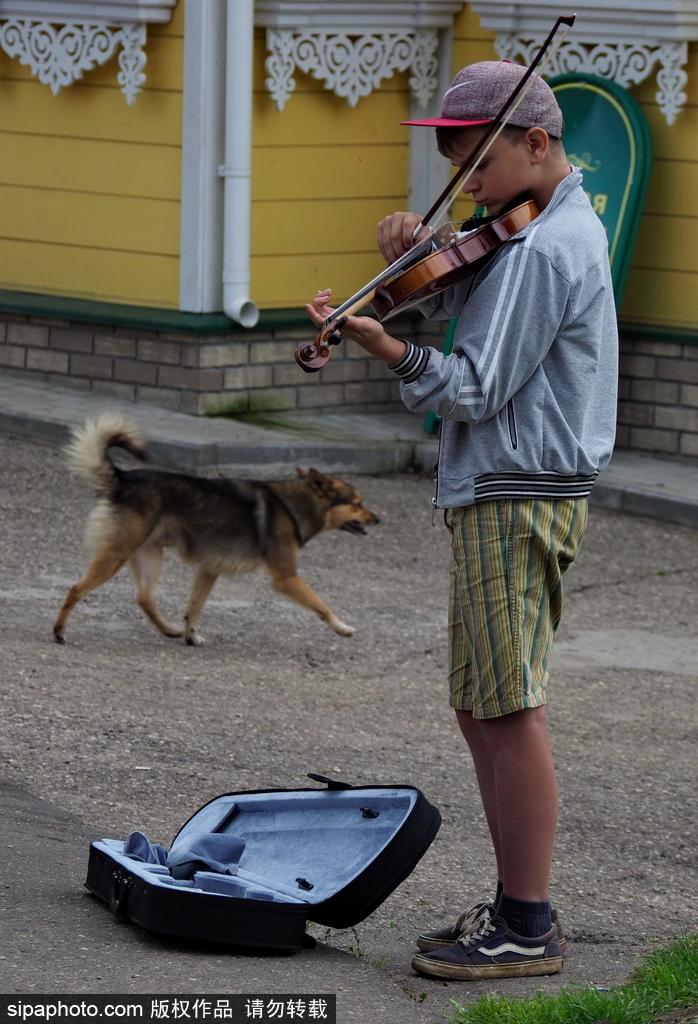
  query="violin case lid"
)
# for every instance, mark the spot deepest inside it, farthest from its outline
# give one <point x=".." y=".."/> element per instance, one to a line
<point x="249" y="869"/>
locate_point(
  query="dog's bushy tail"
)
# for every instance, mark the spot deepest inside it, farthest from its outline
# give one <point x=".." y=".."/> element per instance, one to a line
<point x="86" y="452"/>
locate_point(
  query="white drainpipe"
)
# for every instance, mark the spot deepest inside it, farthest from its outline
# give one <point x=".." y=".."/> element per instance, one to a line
<point x="237" y="169"/>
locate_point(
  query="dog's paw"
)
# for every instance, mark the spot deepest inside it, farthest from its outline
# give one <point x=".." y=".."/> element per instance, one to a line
<point x="194" y="639"/>
<point x="58" y="636"/>
<point x="342" y="628"/>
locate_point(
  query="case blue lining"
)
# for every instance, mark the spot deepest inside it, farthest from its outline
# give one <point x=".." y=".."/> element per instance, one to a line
<point x="299" y="846"/>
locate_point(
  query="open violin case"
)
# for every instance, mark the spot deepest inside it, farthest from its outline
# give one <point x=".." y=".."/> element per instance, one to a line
<point x="250" y="869"/>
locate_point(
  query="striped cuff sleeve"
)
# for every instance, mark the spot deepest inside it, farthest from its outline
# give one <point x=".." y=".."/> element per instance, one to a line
<point x="412" y="365"/>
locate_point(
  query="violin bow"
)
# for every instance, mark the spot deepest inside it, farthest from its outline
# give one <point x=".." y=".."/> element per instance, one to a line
<point x="448" y="195"/>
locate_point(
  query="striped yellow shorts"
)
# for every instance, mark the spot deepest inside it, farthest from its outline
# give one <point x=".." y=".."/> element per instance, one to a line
<point x="506" y="599"/>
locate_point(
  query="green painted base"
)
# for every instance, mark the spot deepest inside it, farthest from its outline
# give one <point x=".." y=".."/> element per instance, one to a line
<point x="58" y="307"/>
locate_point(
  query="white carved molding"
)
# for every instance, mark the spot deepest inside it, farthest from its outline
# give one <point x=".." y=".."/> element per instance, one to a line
<point x="60" y="41"/>
<point x="351" y="66"/>
<point x="353" y="46"/>
<point x="60" y="54"/>
<point x="626" y="42"/>
<point x="626" y="63"/>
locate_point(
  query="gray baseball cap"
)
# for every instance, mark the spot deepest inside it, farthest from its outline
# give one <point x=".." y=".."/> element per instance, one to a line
<point x="479" y="91"/>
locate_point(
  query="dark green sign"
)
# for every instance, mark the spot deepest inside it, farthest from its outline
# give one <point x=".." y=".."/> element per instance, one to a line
<point x="607" y="136"/>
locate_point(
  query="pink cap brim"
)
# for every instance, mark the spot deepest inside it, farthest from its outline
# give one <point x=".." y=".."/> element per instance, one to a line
<point x="446" y="122"/>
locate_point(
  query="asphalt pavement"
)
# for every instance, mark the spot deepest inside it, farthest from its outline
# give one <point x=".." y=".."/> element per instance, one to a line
<point x="123" y="729"/>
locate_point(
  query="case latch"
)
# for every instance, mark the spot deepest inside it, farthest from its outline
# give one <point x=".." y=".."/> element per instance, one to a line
<point x="118" y="898"/>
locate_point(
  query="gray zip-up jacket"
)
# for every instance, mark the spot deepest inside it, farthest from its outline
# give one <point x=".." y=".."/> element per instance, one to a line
<point x="528" y="395"/>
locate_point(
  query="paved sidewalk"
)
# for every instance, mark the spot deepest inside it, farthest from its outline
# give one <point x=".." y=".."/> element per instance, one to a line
<point x="342" y="442"/>
<point x="90" y="951"/>
<point x="122" y="728"/>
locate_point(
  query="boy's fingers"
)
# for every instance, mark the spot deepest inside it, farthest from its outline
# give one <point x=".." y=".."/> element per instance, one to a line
<point x="408" y="228"/>
<point x="390" y="236"/>
<point x="318" y="311"/>
<point x="314" y="314"/>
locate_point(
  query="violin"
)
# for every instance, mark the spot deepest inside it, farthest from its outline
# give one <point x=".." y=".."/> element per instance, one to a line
<point x="456" y="259"/>
<point x="446" y="256"/>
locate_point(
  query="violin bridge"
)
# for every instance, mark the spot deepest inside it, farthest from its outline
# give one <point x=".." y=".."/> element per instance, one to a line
<point x="445" y="234"/>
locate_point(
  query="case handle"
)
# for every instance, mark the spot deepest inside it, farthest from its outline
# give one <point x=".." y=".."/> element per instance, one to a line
<point x="330" y="783"/>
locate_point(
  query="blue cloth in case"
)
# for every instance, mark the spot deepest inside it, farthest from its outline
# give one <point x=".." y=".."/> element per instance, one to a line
<point x="205" y="851"/>
<point x="196" y="851"/>
<point x="139" y="847"/>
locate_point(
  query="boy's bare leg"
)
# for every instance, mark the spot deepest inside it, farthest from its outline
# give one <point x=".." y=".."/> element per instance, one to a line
<point x="484" y="770"/>
<point x="526" y="794"/>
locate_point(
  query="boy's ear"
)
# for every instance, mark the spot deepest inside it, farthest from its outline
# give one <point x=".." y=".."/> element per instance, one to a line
<point x="538" y="142"/>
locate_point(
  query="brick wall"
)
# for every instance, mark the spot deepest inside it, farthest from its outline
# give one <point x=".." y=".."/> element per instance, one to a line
<point x="658" y="395"/>
<point x="252" y="372"/>
<point x="256" y="372"/>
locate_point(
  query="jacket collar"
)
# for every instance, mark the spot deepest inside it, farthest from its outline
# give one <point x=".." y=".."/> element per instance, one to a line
<point x="563" y="189"/>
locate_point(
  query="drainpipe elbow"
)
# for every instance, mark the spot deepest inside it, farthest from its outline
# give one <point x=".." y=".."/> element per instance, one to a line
<point x="240" y="308"/>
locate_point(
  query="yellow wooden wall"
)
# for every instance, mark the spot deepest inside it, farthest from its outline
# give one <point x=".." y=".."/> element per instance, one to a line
<point x="324" y="173"/>
<point x="89" y="187"/>
<point x="662" y="286"/>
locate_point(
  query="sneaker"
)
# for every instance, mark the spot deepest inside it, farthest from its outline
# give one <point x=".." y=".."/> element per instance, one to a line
<point x="427" y="941"/>
<point x="493" y="950"/>
<point x="442" y="937"/>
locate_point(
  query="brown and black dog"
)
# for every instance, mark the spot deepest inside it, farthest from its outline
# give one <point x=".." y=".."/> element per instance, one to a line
<point x="218" y="525"/>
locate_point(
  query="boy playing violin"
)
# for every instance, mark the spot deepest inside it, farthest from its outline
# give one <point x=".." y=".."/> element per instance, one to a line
<point x="528" y="401"/>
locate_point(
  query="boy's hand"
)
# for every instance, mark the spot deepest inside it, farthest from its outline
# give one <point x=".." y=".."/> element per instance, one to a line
<point x="364" y="330"/>
<point x="395" y="234"/>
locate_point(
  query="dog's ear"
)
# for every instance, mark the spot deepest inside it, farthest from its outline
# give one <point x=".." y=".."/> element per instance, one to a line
<point x="320" y="483"/>
<point x="302" y="473"/>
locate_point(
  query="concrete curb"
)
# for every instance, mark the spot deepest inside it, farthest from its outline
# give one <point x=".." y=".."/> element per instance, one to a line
<point x="379" y="445"/>
<point x="621" y="498"/>
<point x="246" y="457"/>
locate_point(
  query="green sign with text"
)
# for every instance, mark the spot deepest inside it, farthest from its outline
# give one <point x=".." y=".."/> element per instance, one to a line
<point x="607" y="136"/>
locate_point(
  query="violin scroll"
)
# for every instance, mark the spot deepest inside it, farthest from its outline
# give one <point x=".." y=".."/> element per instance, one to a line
<point x="312" y="356"/>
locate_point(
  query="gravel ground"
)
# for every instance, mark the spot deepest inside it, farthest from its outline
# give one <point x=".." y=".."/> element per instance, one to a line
<point x="126" y="729"/>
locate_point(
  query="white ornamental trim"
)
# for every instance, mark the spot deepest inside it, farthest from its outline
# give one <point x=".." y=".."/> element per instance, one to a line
<point x="58" y="55"/>
<point x="625" y="62"/>
<point x="352" y="65"/>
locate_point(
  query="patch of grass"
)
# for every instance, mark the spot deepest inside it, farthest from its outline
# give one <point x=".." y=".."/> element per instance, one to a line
<point x="666" y="979"/>
<point x="231" y="408"/>
<point x="259" y="418"/>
